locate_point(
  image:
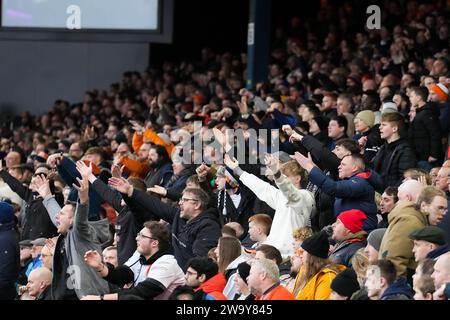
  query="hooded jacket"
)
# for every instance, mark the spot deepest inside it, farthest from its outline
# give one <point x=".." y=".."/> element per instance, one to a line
<point x="356" y="192"/>
<point x="190" y="238"/>
<point x="211" y="289"/>
<point x="399" y="290"/>
<point x="81" y="237"/>
<point x="344" y="250"/>
<point x="319" y="286"/>
<point x="292" y="206"/>
<point x="396" y="245"/>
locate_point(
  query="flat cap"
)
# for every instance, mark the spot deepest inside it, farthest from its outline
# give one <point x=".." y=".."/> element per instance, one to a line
<point x="431" y="234"/>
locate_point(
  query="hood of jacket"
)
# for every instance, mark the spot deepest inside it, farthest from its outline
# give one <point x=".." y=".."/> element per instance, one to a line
<point x="216" y="283"/>
<point x="210" y="213"/>
<point x="373" y="178"/>
<point x="399" y="287"/>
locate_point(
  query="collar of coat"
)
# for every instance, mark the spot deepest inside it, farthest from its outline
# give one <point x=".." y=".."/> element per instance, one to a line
<point x="154" y="257"/>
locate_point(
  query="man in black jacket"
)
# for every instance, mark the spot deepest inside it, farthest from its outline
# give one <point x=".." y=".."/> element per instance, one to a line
<point x="36" y="222"/>
<point x="195" y="229"/>
<point x="425" y="130"/>
<point x="396" y="155"/>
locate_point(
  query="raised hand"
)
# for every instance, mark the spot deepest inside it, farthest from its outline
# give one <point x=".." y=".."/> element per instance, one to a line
<point x="42" y="186"/>
<point x="158" y="190"/>
<point x="54" y="159"/>
<point x="138" y="128"/>
<point x="116" y="170"/>
<point x="287" y="129"/>
<point x="243" y="107"/>
<point x="295" y="137"/>
<point x="202" y="172"/>
<point x="303" y="161"/>
<point x="93" y="259"/>
<point x="231" y="163"/>
<point x="83" y="189"/>
<point x="272" y="162"/>
<point x="121" y="184"/>
<point x="84" y="170"/>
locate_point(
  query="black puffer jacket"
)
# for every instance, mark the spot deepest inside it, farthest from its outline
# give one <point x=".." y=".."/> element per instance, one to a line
<point x="425" y="133"/>
<point x="37" y="223"/>
<point x="191" y="238"/>
<point x="393" y="160"/>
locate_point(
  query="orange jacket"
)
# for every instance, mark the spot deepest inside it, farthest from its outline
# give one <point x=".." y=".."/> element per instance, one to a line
<point x="151" y="136"/>
<point x="319" y="287"/>
<point x="277" y="293"/>
<point x="137" y="168"/>
<point x="213" y="288"/>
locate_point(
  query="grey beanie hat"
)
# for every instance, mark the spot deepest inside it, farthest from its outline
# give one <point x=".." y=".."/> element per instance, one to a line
<point x="375" y="237"/>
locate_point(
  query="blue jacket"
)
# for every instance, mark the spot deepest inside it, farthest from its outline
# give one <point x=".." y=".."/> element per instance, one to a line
<point x="35" y="263"/>
<point x="356" y="192"/>
<point x="9" y="258"/>
<point x="399" y="290"/>
<point x="68" y="172"/>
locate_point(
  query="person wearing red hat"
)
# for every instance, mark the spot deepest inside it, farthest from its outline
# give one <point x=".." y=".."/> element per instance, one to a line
<point x="349" y="236"/>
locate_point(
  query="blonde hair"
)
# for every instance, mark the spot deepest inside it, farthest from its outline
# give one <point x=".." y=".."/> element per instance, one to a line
<point x="360" y="263"/>
<point x="292" y="168"/>
<point x="302" y="233"/>
<point x="416" y="173"/>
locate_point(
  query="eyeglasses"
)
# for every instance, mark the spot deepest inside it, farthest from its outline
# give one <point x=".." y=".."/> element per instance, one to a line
<point x="187" y="199"/>
<point x="140" y="235"/>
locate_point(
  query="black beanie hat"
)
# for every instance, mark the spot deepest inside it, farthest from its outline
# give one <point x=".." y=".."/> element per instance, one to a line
<point x="243" y="269"/>
<point x="317" y="245"/>
<point x="322" y="122"/>
<point x="345" y="283"/>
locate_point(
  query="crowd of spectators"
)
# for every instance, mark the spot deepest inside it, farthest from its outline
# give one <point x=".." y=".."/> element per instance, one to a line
<point x="143" y="191"/>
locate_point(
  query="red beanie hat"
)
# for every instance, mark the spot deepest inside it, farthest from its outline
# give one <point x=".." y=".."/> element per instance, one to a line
<point x="353" y="219"/>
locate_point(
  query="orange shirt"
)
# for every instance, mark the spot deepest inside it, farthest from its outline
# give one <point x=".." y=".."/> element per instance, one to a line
<point x="277" y="293"/>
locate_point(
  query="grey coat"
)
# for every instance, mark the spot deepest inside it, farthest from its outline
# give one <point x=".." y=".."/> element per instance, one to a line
<point x="81" y="237"/>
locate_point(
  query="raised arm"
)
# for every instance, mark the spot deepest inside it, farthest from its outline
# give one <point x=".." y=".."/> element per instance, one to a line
<point x="263" y="190"/>
<point x="15" y="184"/>
<point x="151" y="203"/>
<point x="49" y="202"/>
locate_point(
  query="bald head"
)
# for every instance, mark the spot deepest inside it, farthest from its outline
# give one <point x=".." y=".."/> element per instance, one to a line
<point x="441" y="273"/>
<point x="410" y="190"/>
<point x="38" y="280"/>
<point x="441" y="179"/>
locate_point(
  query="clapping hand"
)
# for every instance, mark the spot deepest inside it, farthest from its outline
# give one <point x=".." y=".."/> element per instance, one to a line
<point x="158" y="190"/>
<point x="121" y="184"/>
<point x="272" y="163"/>
<point x="42" y="186"/>
<point x="83" y="189"/>
<point x="231" y="163"/>
<point x="304" y="162"/>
